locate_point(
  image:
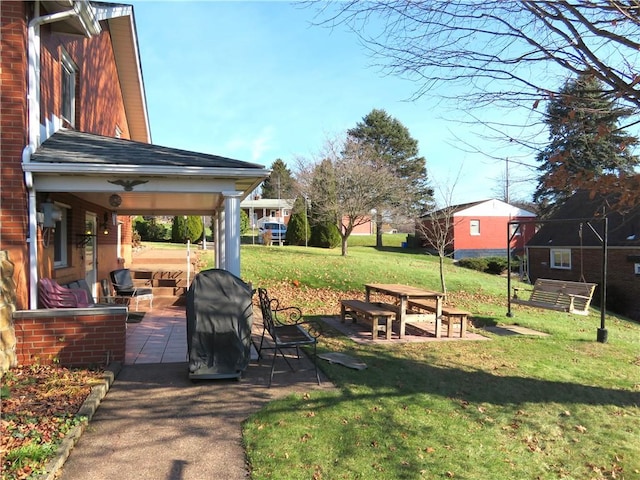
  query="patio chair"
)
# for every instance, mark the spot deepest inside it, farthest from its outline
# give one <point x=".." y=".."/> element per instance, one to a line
<point x="81" y="285"/>
<point x="107" y="291"/>
<point x="125" y="289"/>
<point x="53" y="295"/>
<point x="287" y="330"/>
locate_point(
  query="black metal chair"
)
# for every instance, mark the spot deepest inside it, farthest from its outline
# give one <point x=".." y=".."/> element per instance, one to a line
<point x="285" y="327"/>
<point x="124" y="287"/>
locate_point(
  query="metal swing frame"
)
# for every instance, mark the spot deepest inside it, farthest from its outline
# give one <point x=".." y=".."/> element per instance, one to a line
<point x="602" y="333"/>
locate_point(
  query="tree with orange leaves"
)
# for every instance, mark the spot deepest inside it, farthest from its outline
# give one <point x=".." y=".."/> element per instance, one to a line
<point x="587" y="149"/>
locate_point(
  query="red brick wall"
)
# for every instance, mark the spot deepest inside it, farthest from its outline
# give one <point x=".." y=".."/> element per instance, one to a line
<point x="105" y="248"/>
<point x="493" y="234"/>
<point x="99" y="102"/>
<point x="100" y="108"/>
<point x="74" y="341"/>
<point x="13" y="138"/>
<point x="623" y="285"/>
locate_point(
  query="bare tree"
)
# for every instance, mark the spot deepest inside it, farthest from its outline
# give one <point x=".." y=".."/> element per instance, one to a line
<point x="352" y="185"/>
<point x="500" y="51"/>
<point x="436" y="227"/>
<point x="512" y="54"/>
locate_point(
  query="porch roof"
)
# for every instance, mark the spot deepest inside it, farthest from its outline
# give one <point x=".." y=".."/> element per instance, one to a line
<point x="149" y="179"/>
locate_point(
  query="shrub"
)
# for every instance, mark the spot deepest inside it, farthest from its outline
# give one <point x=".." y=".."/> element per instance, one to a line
<point x="325" y="235"/>
<point x="150" y="230"/>
<point x="474" y="263"/>
<point x="296" y="234"/>
<point x="492" y="265"/>
<point x="136" y="241"/>
<point x="189" y="228"/>
<point x="266" y="237"/>
<point x="496" y="266"/>
<point x="244" y="222"/>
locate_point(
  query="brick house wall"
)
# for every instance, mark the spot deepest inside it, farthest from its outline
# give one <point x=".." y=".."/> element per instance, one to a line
<point x="99" y="102"/>
<point x="105" y="245"/>
<point x="493" y="234"/>
<point x="479" y="229"/>
<point x="13" y="138"/>
<point x="365" y="228"/>
<point x="74" y="337"/>
<point x="99" y="110"/>
<point x="623" y="284"/>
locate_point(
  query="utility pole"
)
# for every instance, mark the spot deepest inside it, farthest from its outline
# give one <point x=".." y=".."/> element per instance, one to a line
<point x="506" y="180"/>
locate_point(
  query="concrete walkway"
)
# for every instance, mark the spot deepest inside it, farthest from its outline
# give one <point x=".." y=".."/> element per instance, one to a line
<point x="157" y="424"/>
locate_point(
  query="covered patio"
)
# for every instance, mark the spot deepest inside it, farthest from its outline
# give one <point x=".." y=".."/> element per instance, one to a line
<point x="129" y="178"/>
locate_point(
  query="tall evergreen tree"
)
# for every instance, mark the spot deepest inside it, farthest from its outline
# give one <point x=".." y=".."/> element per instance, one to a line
<point x="322" y="215"/>
<point x="187" y="228"/>
<point x="397" y="150"/>
<point x="298" y="228"/>
<point x="324" y="193"/>
<point x="280" y="183"/>
<point x="585" y="142"/>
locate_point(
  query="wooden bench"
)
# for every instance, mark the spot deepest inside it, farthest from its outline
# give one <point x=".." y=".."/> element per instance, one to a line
<point x="380" y="314"/>
<point x="449" y="315"/>
<point x="560" y="295"/>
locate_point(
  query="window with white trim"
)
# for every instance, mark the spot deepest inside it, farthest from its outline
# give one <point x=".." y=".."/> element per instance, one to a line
<point x="561" y="258"/>
<point x="636" y="268"/>
<point x="474" y="227"/>
<point x="60" y="240"/>
<point x="68" y="96"/>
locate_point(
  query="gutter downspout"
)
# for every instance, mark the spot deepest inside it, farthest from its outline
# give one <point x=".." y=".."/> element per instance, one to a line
<point x="33" y="112"/>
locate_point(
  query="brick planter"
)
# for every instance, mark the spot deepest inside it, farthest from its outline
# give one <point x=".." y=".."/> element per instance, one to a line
<point x="73" y="337"/>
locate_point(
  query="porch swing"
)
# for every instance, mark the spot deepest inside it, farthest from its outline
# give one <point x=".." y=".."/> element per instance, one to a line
<point x="560" y="295"/>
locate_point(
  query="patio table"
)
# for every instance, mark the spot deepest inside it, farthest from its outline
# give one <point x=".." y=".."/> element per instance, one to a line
<point x="403" y="293"/>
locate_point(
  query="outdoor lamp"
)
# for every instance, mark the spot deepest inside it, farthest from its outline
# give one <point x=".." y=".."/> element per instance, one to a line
<point x="105" y="224"/>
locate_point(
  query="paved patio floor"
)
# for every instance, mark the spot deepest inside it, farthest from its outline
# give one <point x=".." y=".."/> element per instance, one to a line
<point x="161" y="337"/>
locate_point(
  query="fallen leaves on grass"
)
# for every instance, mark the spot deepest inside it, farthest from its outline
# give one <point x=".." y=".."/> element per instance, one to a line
<point x="39" y="406"/>
<point x="313" y="301"/>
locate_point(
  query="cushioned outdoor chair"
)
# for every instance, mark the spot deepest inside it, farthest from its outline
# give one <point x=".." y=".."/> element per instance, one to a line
<point x="53" y="295"/>
<point x="124" y="287"/>
<point x="81" y="285"/>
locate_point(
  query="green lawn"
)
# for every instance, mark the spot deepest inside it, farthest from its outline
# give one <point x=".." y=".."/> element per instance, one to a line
<point x="556" y="407"/>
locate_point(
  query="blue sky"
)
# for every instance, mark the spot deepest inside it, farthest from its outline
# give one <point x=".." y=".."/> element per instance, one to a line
<point x="255" y="81"/>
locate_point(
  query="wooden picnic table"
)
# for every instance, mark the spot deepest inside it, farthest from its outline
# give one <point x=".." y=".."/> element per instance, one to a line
<point x="403" y="293"/>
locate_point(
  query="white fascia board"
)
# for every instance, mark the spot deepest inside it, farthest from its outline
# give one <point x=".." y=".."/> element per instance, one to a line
<point x="268" y="203"/>
<point x="107" y="12"/>
<point x="130" y="54"/>
<point x="88" y="18"/>
<point x="67" y="183"/>
<point x="110" y="169"/>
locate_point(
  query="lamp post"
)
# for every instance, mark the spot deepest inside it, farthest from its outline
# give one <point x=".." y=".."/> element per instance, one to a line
<point x="306" y="223"/>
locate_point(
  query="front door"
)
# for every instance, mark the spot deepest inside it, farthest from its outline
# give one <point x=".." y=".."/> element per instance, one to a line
<point x="90" y="262"/>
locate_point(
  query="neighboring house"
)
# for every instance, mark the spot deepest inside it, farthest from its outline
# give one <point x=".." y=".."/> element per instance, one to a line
<point x="262" y="210"/>
<point x="364" y="228"/>
<point x="479" y="229"/>
<point x="76" y="157"/>
<point x="559" y="250"/>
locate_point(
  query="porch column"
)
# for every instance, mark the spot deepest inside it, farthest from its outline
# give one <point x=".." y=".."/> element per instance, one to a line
<point x="232" y="231"/>
<point x="220" y="239"/>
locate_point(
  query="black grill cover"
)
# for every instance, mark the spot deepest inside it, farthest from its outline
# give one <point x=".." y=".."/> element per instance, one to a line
<point x="219" y="318"/>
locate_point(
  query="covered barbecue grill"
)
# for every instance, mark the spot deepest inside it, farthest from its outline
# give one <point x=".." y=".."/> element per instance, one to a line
<point x="219" y="318"/>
